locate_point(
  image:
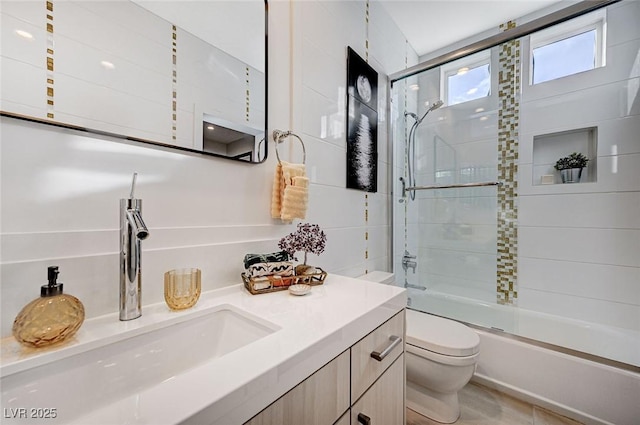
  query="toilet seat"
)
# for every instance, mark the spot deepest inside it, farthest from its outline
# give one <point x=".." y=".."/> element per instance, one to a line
<point x="441" y="336"/>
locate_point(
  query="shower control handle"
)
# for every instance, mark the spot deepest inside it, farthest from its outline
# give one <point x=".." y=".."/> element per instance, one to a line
<point x="395" y="341"/>
<point x="364" y="419"/>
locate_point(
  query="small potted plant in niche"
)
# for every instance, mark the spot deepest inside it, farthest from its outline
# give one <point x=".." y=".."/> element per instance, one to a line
<point x="571" y="166"/>
<point x="307" y="238"/>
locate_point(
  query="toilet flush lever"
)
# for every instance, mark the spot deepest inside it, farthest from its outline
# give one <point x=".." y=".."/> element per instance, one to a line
<point x="395" y="341"/>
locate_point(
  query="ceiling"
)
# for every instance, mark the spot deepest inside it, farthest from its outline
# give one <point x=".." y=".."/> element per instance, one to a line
<point x="430" y="25"/>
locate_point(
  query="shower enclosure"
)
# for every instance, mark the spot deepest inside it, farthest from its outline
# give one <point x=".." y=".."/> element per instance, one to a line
<point x="485" y="232"/>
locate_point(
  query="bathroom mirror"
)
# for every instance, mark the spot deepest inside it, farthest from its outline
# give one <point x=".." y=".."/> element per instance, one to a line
<point x="189" y="75"/>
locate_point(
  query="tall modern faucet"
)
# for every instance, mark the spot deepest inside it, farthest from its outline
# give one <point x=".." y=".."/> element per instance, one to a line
<point x="132" y="231"/>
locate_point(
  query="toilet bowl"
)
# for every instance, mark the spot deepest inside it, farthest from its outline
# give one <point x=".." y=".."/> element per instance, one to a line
<point x="441" y="357"/>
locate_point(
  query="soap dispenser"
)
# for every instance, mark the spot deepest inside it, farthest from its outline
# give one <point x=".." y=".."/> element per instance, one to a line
<point x="52" y="318"/>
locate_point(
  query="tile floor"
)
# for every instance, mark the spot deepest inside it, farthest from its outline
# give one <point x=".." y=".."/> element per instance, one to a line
<point x="480" y="405"/>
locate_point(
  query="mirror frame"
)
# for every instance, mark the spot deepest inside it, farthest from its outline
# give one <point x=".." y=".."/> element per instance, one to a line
<point x="166" y="145"/>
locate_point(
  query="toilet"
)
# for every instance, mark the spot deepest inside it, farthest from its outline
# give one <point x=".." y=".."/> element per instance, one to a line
<point x="441" y="356"/>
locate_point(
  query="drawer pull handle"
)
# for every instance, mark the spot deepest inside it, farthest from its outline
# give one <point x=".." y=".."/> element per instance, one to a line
<point x="364" y="419"/>
<point x="395" y="340"/>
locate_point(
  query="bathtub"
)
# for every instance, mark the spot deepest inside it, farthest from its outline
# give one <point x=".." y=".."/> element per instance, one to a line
<point x="538" y="369"/>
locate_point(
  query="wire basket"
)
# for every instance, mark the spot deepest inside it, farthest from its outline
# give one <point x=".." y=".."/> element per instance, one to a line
<point x="263" y="285"/>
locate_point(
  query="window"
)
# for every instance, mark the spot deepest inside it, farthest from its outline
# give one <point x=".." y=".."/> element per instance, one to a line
<point x="467" y="79"/>
<point x="569" y="48"/>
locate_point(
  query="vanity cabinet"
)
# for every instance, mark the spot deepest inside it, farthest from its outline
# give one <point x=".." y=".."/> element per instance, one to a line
<point x="320" y="399"/>
<point x="363" y="385"/>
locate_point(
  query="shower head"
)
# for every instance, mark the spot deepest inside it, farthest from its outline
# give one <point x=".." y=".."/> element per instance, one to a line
<point x="436" y="105"/>
<point x="433" y="107"/>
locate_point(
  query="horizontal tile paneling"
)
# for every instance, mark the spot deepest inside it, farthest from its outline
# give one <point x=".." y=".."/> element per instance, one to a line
<point x="622" y="22"/>
<point x="323" y="118"/>
<point x="95" y="279"/>
<point x="24" y="88"/>
<point x="459" y="264"/>
<point x="322" y="73"/>
<point x="600" y="246"/>
<point x="615" y="173"/>
<point x="78" y="60"/>
<point x="100" y="28"/>
<point x="342" y="208"/>
<point x="20" y="247"/>
<point x="459" y="211"/>
<point x="27" y="50"/>
<point x="590" y="310"/>
<point x="463" y="238"/>
<point x="598" y="281"/>
<point x="594" y="210"/>
<point x="615" y="137"/>
<point x="106" y="109"/>
<point x="600" y="103"/>
<point x="333" y="25"/>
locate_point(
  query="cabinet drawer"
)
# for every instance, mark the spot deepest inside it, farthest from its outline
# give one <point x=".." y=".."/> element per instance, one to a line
<point x="373" y="354"/>
<point x="383" y="403"/>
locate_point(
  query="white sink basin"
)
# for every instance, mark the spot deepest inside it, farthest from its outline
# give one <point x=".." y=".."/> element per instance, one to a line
<point x="78" y="384"/>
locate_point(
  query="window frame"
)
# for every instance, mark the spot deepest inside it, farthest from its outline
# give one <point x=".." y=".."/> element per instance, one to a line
<point x="474" y="61"/>
<point x="596" y="20"/>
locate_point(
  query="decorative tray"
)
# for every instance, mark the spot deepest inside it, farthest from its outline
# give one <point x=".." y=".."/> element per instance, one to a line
<point x="262" y="285"/>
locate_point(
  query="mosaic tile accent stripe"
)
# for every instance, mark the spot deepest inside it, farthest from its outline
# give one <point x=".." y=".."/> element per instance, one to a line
<point x="508" y="128"/>
<point x="174" y="97"/>
<point x="50" y="61"/>
<point x="366" y="195"/>
<point x="247" y="98"/>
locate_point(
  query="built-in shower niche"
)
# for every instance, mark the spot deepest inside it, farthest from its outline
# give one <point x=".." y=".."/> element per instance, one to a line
<point x="548" y="148"/>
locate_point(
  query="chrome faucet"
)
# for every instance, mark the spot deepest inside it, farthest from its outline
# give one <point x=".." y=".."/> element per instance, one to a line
<point x="408" y="262"/>
<point x="132" y="231"/>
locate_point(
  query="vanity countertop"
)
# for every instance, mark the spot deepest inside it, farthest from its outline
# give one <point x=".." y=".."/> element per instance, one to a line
<point x="311" y="330"/>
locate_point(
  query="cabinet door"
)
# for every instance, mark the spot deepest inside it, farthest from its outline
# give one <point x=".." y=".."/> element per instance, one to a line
<point x="345" y="419"/>
<point x="318" y="400"/>
<point x="383" y="403"/>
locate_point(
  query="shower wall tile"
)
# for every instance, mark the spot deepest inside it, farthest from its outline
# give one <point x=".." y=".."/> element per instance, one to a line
<point x="610" y="210"/>
<point x="601" y="246"/>
<point x="619" y="173"/>
<point x="605" y="282"/>
<point x="459" y="264"/>
<point x="585" y="309"/>
<point x="458" y="211"/>
<point x="574" y="109"/>
<point x="622" y="22"/>
<point x="615" y="137"/>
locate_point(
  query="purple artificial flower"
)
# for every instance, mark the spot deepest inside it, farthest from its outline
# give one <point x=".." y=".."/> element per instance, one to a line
<point x="307" y="238"/>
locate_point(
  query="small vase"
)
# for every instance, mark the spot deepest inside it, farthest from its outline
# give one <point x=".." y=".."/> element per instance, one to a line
<point x="302" y="269"/>
<point x="571" y="175"/>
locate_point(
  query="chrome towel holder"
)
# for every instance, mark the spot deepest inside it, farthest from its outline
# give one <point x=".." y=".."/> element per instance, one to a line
<point x="279" y="136"/>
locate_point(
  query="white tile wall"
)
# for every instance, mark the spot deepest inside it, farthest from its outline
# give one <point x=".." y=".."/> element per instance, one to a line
<point x="579" y="244"/>
<point x="61" y="189"/>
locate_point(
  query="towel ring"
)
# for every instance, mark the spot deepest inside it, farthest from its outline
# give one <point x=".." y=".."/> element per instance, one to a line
<point x="279" y="136"/>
